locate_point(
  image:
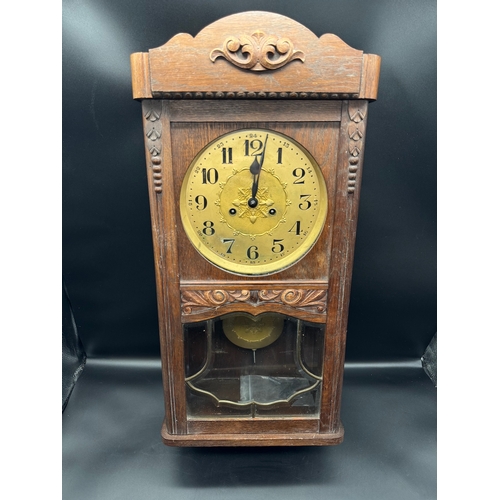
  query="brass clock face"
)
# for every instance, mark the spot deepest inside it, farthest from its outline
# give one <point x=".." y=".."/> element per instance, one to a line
<point x="253" y="202"/>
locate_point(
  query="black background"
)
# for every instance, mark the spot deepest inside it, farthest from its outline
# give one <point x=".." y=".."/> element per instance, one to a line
<point x="107" y="245"/>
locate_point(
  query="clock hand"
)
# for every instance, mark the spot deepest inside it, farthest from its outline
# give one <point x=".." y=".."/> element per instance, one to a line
<point x="255" y="169"/>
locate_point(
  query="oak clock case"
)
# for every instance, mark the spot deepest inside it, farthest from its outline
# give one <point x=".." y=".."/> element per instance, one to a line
<point x="254" y="192"/>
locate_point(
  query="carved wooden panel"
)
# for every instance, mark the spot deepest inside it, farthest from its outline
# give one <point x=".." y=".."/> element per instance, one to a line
<point x="279" y="58"/>
<point x="308" y="304"/>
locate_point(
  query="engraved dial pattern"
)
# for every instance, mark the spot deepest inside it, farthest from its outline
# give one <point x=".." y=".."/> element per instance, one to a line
<point x="253" y="202"/>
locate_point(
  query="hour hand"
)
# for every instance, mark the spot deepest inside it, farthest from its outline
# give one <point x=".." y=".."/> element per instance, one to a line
<point x="252" y="202"/>
<point x="255" y="167"/>
<point x="255" y="170"/>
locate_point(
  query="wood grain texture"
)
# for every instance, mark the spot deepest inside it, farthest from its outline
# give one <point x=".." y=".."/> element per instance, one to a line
<point x="251" y="111"/>
<point x="162" y="203"/>
<point x="370" y="77"/>
<point x="254" y="439"/>
<point x="253" y="425"/>
<point x="141" y="79"/>
<point x="220" y="62"/>
<point x="344" y="236"/>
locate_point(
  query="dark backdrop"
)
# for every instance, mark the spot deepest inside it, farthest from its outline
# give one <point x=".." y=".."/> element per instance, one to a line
<point x="107" y="245"/>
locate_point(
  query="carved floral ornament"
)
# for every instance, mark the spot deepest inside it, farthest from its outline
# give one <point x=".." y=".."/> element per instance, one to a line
<point x="258" y="52"/>
<point x="193" y="301"/>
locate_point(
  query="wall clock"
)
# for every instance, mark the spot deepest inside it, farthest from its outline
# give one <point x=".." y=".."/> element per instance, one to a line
<point x="254" y="132"/>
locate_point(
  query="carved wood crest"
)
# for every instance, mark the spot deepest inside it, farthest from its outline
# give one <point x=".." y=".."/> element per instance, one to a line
<point x="258" y="52"/>
<point x="259" y="43"/>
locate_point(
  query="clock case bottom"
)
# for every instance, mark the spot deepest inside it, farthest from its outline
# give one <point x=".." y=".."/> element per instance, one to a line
<point x="253" y="439"/>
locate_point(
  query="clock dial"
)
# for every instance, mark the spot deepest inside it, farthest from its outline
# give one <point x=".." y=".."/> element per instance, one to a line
<point x="253" y="202"/>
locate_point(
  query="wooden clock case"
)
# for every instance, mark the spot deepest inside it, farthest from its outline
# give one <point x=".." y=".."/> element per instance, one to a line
<point x="254" y="70"/>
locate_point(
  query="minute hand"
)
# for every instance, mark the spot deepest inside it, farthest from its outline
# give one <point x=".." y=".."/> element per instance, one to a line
<point x="256" y="168"/>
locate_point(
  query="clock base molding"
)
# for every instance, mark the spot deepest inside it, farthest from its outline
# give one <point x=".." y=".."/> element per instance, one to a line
<point x="253" y="439"/>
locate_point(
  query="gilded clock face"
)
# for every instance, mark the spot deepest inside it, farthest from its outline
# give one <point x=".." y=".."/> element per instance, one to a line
<point x="253" y="202"/>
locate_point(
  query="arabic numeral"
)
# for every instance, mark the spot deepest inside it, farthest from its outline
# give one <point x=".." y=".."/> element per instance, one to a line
<point x="299" y="173"/>
<point x="255" y="145"/>
<point x="231" y="243"/>
<point x="227" y="155"/>
<point x="208" y="228"/>
<point x="210" y="176"/>
<point x="277" y="246"/>
<point x="295" y="228"/>
<point x="201" y="202"/>
<point x="252" y="253"/>
<point x="306" y="204"/>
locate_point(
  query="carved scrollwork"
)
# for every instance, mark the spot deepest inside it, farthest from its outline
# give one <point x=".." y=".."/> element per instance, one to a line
<point x="258" y="52"/>
<point x="297" y="298"/>
<point x="194" y="299"/>
<point x="197" y="301"/>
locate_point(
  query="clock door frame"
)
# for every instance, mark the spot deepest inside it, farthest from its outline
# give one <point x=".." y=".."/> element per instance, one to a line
<point x="172" y="109"/>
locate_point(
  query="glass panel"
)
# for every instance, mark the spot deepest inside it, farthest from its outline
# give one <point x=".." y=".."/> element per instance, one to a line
<point x="241" y="365"/>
